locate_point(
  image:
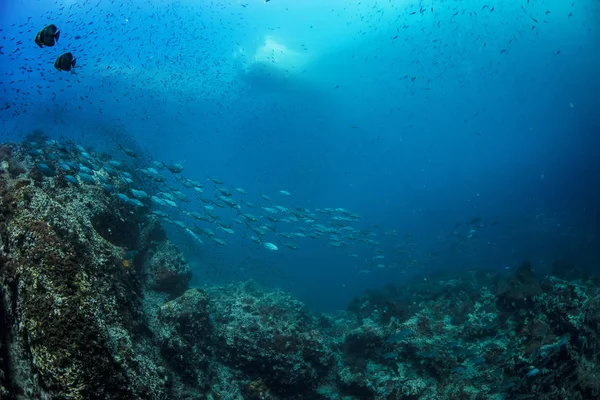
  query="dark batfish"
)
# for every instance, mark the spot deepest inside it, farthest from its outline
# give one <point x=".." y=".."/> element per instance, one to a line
<point x="47" y="36"/>
<point x="64" y="62"/>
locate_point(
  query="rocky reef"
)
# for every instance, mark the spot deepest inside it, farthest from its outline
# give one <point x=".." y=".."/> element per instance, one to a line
<point x="95" y="304"/>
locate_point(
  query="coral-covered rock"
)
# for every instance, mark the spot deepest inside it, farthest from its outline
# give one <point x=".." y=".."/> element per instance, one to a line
<point x="71" y="307"/>
<point x="185" y="335"/>
<point x="167" y="270"/>
<point x="270" y="335"/>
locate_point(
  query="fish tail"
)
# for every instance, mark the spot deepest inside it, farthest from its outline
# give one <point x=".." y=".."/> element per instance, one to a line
<point x="57" y="35"/>
<point x="73" y="62"/>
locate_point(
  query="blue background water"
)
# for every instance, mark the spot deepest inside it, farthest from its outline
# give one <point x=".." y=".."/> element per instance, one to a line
<point x="467" y="113"/>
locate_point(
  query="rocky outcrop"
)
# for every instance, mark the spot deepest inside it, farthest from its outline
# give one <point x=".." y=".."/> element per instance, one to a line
<point x="71" y="303"/>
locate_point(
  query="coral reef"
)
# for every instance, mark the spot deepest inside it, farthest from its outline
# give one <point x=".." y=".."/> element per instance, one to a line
<point x="95" y="304"/>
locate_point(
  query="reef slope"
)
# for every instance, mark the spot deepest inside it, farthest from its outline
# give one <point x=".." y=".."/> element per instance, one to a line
<point x="95" y="304"/>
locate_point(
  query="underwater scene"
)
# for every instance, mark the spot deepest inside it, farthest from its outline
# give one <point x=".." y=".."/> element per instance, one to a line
<point x="299" y="199"/>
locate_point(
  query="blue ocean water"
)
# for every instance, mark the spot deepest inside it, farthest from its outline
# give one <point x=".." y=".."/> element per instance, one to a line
<point x="465" y="135"/>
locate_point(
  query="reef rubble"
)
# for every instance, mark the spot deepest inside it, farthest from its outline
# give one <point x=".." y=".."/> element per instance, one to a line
<point x="95" y="304"/>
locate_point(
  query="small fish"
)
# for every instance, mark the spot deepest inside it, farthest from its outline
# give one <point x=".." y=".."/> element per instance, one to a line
<point x="255" y="239"/>
<point x="122" y="197"/>
<point x="139" y="194"/>
<point x="47" y="36"/>
<point x="216" y="180"/>
<point x="65" y="62"/>
<point x="115" y="163"/>
<point x="159" y="213"/>
<point x="249" y="217"/>
<point x="71" y="179"/>
<point x="180" y="224"/>
<point x="85" y="170"/>
<point x="209" y="232"/>
<point x="227" y="230"/>
<point x="224" y="191"/>
<point x="109" y="170"/>
<point x="63" y="165"/>
<point x="285" y="193"/>
<point x="228" y="201"/>
<point x="174" y="168"/>
<point x="270" y="246"/>
<point x="157" y="164"/>
<point x="157" y="201"/>
<point x="44" y="169"/>
<point x="35" y="152"/>
<point x="129" y="152"/>
<point x="108" y="188"/>
<point x="181" y="196"/>
<point x="135" y="202"/>
<point x="86" y="178"/>
<point x="390" y="355"/>
<point x="152" y="174"/>
<point x="192" y="234"/>
<point x="170" y="203"/>
<point x="219" y="241"/>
